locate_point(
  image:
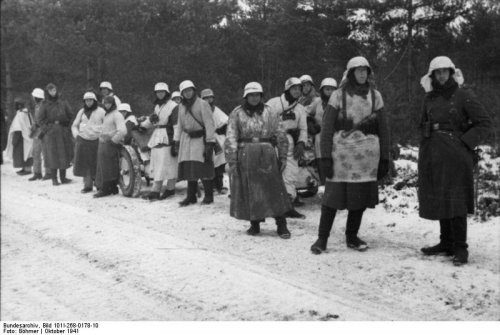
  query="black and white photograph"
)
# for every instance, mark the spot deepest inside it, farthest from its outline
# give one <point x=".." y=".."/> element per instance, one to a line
<point x="248" y="160"/>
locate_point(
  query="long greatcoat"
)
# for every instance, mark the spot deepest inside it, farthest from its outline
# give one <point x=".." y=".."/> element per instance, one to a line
<point x="54" y="117"/>
<point x="191" y="158"/>
<point x="445" y="163"/>
<point x="257" y="188"/>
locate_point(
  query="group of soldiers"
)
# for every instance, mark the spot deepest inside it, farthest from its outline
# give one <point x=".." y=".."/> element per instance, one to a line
<point x="262" y="143"/>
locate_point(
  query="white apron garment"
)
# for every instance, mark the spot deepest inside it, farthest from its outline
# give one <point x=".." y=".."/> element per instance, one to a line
<point x="163" y="165"/>
<point x="22" y="122"/>
<point x="355" y="157"/>
<point x="220" y="119"/>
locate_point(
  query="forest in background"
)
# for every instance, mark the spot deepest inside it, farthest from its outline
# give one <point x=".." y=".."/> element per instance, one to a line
<point x="223" y="44"/>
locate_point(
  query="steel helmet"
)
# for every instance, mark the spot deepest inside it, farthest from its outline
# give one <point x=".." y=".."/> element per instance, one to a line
<point x="306" y="78"/>
<point x="328" y="82"/>
<point x="106" y="84"/>
<point x="357" y="62"/>
<point x="176" y="94"/>
<point x="38" y="93"/>
<point x="161" y="87"/>
<point x="89" y="95"/>
<point x="292" y="82"/>
<point x="186" y="84"/>
<point x="252" y="87"/>
<point x="206" y="93"/>
<point x="441" y="62"/>
<point x="124" y="107"/>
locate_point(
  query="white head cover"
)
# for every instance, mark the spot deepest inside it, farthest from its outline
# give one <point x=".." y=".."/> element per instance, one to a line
<point x="106" y="84"/>
<point x="161" y="87"/>
<point x="252" y="87"/>
<point x="292" y="82"/>
<point x="441" y="62"/>
<point x="328" y="82"/>
<point x="186" y="84"/>
<point x="176" y="94"/>
<point x="38" y="93"/>
<point x="89" y="95"/>
<point x="207" y="93"/>
<point x="124" y="107"/>
<point x="306" y="78"/>
<point x="354" y="63"/>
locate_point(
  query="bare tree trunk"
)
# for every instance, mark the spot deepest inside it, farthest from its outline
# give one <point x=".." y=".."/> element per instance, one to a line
<point x="8" y="88"/>
<point x="410" y="37"/>
<point x="89" y="74"/>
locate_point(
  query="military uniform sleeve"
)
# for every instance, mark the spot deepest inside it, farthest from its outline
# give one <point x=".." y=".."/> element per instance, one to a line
<point x="481" y="121"/>
<point x="281" y="139"/>
<point x="121" y="129"/>
<point x="208" y="121"/>
<point x="302" y="123"/>
<point x="232" y="136"/>
<point x="76" y="123"/>
<point x="328" y="124"/>
<point x="179" y="128"/>
<point x="384" y="133"/>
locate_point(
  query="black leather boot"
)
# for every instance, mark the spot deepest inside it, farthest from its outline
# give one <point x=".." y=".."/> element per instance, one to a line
<point x="445" y="246"/>
<point x="254" y="228"/>
<point x="208" y="186"/>
<point x="55" y="182"/>
<point x="167" y="194"/>
<point x="36" y="176"/>
<point x="191" y="194"/>
<point x="282" y="230"/>
<point x="64" y="180"/>
<point x="459" y="232"/>
<point x="325" y="226"/>
<point x="354" y="218"/>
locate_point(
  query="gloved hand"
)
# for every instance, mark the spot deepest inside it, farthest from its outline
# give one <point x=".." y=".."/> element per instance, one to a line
<point x="174" y="149"/>
<point x="298" y="151"/>
<point x="209" y="151"/>
<point x="282" y="164"/>
<point x="383" y="168"/>
<point x="154" y="118"/>
<point x="233" y="169"/>
<point x="326" y="167"/>
<point x="141" y="119"/>
<point x="221" y="130"/>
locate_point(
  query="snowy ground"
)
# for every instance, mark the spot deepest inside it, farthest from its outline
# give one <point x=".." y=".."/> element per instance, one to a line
<point x="68" y="256"/>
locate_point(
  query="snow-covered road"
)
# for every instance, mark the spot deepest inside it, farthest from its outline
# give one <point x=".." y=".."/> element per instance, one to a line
<point x="69" y="256"/>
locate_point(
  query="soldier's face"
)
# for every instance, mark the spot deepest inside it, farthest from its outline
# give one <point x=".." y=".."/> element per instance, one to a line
<point x="328" y="90"/>
<point x="296" y="91"/>
<point x="361" y="74"/>
<point x="188" y="93"/>
<point x="89" y="102"/>
<point x="108" y="105"/>
<point x="52" y="92"/>
<point x="105" y="92"/>
<point x="210" y="100"/>
<point x="177" y="100"/>
<point x="253" y="98"/>
<point x="160" y="94"/>
<point x="306" y="87"/>
<point x="442" y="75"/>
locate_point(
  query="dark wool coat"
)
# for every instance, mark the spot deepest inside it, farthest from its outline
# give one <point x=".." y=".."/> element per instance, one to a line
<point x="257" y="188"/>
<point x="54" y="118"/>
<point x="445" y="162"/>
